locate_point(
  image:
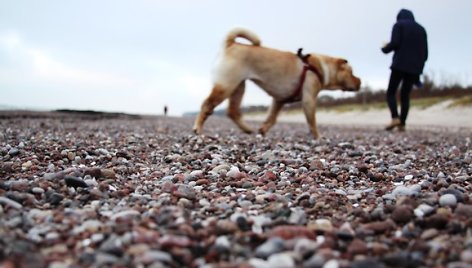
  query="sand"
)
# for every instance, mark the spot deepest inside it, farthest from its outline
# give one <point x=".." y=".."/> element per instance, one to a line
<point x="436" y="116"/>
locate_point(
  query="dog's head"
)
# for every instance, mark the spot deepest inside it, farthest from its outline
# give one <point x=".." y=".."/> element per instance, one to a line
<point x="339" y="74"/>
<point x="344" y="78"/>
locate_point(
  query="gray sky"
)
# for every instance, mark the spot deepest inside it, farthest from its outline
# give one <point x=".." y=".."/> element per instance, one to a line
<point x="136" y="56"/>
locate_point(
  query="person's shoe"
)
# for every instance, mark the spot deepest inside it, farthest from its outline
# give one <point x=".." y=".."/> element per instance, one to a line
<point x="395" y="123"/>
<point x="401" y="128"/>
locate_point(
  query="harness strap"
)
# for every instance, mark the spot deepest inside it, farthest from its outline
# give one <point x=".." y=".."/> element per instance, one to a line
<point x="306" y="67"/>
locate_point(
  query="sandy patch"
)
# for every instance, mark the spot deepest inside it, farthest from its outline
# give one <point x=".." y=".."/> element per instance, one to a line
<point x="438" y="115"/>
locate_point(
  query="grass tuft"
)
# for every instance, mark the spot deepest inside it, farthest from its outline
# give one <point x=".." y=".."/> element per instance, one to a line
<point x="464" y="101"/>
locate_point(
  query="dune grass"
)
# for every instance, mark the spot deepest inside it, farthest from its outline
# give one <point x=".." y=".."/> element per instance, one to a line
<point x="465" y="101"/>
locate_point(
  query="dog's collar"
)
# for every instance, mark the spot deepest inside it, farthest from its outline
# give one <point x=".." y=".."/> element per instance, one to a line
<point x="306" y="67"/>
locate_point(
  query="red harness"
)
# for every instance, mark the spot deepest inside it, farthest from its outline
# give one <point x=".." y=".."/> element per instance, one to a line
<point x="306" y="67"/>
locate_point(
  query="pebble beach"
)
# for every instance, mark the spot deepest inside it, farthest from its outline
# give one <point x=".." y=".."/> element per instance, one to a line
<point x="147" y="192"/>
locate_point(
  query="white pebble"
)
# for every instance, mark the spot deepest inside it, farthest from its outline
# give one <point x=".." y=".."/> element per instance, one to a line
<point x="233" y="172"/>
<point x="448" y="200"/>
<point x="422" y="210"/>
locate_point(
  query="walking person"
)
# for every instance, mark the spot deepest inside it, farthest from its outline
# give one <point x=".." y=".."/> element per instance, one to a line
<point x="410" y="47"/>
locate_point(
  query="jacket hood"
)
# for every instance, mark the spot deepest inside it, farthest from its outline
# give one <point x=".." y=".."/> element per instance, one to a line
<point x="405" y="14"/>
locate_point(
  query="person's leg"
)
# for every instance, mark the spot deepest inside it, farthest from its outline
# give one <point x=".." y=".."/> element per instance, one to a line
<point x="407" y="85"/>
<point x="395" y="79"/>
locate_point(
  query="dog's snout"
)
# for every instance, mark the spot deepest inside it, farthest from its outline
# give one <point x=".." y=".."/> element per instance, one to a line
<point x="355" y="84"/>
<point x="358" y="83"/>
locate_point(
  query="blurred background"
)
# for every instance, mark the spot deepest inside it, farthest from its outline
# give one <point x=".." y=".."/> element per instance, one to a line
<point x="139" y="56"/>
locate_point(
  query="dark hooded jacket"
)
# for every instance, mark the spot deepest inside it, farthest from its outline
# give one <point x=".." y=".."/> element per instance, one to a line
<point x="409" y="43"/>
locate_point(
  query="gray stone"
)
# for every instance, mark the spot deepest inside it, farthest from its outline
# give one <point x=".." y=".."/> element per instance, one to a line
<point x="271" y="246"/>
<point x="14" y="152"/>
<point x="448" y="200"/>
<point x="11" y="203"/>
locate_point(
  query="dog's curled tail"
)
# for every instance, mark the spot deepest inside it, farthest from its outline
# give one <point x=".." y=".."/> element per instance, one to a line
<point x="244" y="33"/>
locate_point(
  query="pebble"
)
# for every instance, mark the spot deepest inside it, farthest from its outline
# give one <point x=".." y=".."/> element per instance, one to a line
<point x="357" y="247"/>
<point x="458" y="194"/>
<point x="322" y="225"/>
<point x="448" y="200"/>
<point x="404" y="191"/>
<point x="146" y="192"/>
<point x="221" y="168"/>
<point x="125" y="215"/>
<point x="466" y="256"/>
<point x="233" y="172"/>
<point x="75" y="182"/>
<point x="280" y="260"/>
<point x="152" y="256"/>
<point x="304" y="246"/>
<point x="429" y="234"/>
<point x="331" y="264"/>
<point x="402" y="214"/>
<point x="271" y="246"/>
<point x="186" y="191"/>
<point x="297" y="216"/>
<point x="345" y="231"/>
<point x="20" y="186"/>
<point x="14" y="152"/>
<point x="108" y="173"/>
<point x="423" y="210"/>
<point x="292" y="231"/>
<point x="55" y="198"/>
<point x="10" y="203"/>
<point x="463" y="211"/>
<point x="37" y="190"/>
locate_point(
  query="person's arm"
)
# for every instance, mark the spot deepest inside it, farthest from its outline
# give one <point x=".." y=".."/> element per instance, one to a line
<point x="394" y="41"/>
<point x="426" y="46"/>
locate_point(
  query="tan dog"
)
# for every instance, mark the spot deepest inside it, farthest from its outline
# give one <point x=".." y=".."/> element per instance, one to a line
<point x="285" y="76"/>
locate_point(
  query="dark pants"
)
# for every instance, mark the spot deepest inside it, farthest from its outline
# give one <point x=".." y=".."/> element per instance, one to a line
<point x="407" y="80"/>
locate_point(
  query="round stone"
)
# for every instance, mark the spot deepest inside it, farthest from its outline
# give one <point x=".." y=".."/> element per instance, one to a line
<point x="448" y="200"/>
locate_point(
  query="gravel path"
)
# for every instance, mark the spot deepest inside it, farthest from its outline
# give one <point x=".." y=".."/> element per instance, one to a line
<point x="148" y="193"/>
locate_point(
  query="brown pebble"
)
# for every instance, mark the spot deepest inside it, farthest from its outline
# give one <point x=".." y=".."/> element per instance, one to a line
<point x="429" y="234"/>
<point x="202" y="182"/>
<point x="108" y="173"/>
<point x="20" y="186"/>
<point x="380" y="226"/>
<point x="402" y="214"/>
<point x="94" y="172"/>
<point x="292" y="231"/>
<point x="357" y="247"/>
<point x="226" y="227"/>
<point x="463" y="211"/>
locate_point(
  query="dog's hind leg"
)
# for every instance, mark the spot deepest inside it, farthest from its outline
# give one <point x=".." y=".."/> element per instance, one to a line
<point x="272" y="117"/>
<point x="217" y="95"/>
<point x="234" y="111"/>
<point x="309" y="108"/>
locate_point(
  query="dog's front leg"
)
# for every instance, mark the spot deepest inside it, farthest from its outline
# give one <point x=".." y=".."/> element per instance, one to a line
<point x="272" y="117"/>
<point x="217" y="95"/>
<point x="309" y="108"/>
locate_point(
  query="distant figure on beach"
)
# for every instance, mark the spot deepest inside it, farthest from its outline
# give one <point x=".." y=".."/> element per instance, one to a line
<point x="410" y="47"/>
<point x="165" y="110"/>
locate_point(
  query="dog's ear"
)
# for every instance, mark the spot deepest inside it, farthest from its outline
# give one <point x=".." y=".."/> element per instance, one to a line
<point x="342" y="61"/>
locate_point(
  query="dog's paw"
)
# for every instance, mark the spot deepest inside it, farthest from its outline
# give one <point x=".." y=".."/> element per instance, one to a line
<point x="197" y="131"/>
<point x="262" y="132"/>
<point x="248" y="131"/>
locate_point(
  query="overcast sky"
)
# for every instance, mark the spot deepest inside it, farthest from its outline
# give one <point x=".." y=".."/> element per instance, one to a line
<point x="137" y="56"/>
